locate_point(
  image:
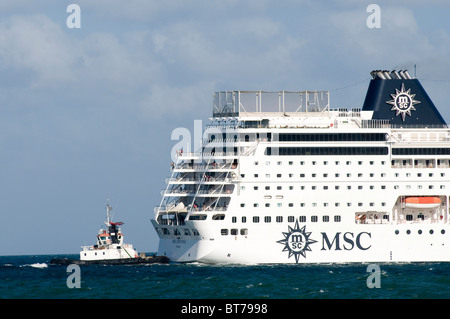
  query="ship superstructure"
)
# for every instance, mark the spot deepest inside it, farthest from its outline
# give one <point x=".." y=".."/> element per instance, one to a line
<point x="283" y="178"/>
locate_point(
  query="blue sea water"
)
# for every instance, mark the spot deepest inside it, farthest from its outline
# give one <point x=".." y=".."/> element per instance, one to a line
<point x="33" y="277"/>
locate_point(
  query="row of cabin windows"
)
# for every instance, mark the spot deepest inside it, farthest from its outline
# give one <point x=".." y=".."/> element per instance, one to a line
<point x="324" y="162"/>
<point x="337" y="187"/>
<point x="394" y="163"/>
<point x="337" y="175"/>
<point x="177" y="232"/>
<point x="349" y="204"/>
<point x="290" y="219"/>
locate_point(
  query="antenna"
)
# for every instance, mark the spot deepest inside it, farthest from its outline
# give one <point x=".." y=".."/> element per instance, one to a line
<point x="415" y="72"/>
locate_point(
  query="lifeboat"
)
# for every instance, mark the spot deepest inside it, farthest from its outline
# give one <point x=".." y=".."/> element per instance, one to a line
<point x="422" y="202"/>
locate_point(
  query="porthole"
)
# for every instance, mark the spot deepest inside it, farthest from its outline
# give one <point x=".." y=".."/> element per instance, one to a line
<point x="408" y="232"/>
<point x="443" y="231"/>
<point x="420" y="231"/>
<point x="397" y="232"/>
<point x="431" y="231"/>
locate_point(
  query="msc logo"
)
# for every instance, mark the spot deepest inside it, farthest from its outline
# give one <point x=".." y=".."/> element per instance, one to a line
<point x="403" y="102"/>
<point x="297" y="241"/>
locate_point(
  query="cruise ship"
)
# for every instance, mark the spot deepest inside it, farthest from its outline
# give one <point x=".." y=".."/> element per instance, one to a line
<point x="281" y="177"/>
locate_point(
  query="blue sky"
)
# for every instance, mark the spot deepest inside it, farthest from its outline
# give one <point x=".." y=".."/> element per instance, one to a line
<point x="87" y="114"/>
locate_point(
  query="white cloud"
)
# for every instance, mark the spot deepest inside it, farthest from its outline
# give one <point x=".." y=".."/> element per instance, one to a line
<point x="36" y="43"/>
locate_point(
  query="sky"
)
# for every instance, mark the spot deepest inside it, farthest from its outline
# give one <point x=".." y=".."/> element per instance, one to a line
<point x="86" y="114"/>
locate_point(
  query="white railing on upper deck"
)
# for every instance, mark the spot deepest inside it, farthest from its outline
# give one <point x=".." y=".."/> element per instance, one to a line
<point x="245" y="103"/>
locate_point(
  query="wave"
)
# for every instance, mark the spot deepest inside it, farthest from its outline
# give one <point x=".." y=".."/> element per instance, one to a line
<point x="37" y="265"/>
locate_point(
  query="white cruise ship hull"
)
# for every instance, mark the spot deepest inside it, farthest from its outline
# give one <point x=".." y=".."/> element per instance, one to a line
<point x="413" y="243"/>
<point x="311" y="184"/>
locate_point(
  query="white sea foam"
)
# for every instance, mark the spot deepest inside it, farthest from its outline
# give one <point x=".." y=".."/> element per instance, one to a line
<point x="38" y="265"/>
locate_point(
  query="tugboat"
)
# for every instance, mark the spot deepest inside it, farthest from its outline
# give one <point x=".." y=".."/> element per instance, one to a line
<point x="110" y="249"/>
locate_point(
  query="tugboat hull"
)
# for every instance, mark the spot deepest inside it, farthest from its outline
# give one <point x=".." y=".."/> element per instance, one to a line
<point x="122" y="261"/>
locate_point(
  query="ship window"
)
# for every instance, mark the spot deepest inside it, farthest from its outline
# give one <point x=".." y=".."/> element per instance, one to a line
<point x="278" y="175"/>
<point x="409" y="217"/>
<point x="224" y="231"/>
<point x="255" y="205"/>
<point x="290" y="219"/>
<point x="337" y="218"/>
<point x="242" y="205"/>
<point x="244" y="231"/>
<point x="325" y="219"/>
<point x="233" y="219"/>
<point x="267" y="219"/>
<point x="234" y="231"/>
<point x="291" y="204"/>
<point x="218" y="217"/>
<point x="195" y="231"/>
<point x="177" y="232"/>
<point x="267" y="204"/>
<point x="279" y="188"/>
<point x="302" y="219"/>
<point x="244" y="219"/>
<point x="256" y="219"/>
<point x="267" y="188"/>
<point x="255" y="188"/>
<point x="165" y="231"/>
<point x="279" y="219"/>
<point x="198" y="217"/>
<point x="314" y="219"/>
<point x="187" y="232"/>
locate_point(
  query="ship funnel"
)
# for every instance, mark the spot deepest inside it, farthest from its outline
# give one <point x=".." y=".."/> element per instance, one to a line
<point x="397" y="97"/>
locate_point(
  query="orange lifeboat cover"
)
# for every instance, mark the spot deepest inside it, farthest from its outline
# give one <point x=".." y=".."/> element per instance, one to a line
<point x="423" y="200"/>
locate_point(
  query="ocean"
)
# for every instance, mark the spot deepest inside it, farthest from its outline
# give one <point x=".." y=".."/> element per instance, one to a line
<point x="33" y="277"/>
